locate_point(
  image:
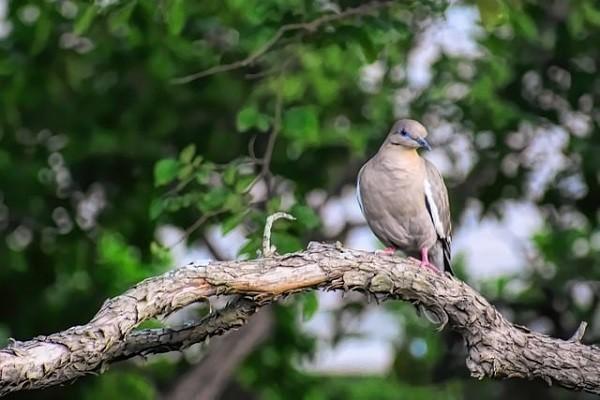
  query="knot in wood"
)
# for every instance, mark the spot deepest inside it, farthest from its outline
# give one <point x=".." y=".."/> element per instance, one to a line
<point x="382" y="283"/>
<point x="354" y="279"/>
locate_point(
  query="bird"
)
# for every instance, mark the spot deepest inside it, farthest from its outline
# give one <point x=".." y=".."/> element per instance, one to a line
<point x="404" y="199"/>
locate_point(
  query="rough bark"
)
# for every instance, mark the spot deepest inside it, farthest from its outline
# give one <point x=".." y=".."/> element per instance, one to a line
<point x="496" y="348"/>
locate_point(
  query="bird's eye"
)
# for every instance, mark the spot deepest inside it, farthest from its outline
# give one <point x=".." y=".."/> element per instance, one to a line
<point x="403" y="132"/>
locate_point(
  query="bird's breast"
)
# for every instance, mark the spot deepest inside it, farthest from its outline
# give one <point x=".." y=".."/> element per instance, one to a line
<point x="394" y="206"/>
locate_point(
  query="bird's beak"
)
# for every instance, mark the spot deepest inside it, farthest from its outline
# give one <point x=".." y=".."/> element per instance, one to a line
<point x="423" y="143"/>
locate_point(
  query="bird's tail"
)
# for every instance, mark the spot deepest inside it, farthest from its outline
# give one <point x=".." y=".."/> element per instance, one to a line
<point x="447" y="259"/>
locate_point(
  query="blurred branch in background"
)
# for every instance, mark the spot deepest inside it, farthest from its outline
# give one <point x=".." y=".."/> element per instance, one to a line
<point x="496" y="348"/>
<point x="207" y="380"/>
<point x="309" y="27"/>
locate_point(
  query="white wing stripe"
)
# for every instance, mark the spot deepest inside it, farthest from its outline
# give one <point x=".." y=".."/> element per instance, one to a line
<point x="433" y="211"/>
<point x="360" y="203"/>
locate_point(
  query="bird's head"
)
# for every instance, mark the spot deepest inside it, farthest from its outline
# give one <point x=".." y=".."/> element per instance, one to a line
<point x="409" y="134"/>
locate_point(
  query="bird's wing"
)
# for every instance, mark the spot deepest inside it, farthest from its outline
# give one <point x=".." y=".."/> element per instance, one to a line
<point x="358" y="197"/>
<point x="438" y="206"/>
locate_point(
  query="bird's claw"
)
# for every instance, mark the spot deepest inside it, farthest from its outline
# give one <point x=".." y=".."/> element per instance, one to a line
<point x="430" y="266"/>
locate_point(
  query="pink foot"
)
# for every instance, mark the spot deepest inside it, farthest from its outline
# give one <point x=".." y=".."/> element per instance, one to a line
<point x="425" y="261"/>
<point x="387" y="250"/>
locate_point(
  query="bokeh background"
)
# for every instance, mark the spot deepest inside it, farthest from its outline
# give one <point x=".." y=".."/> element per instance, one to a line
<point x="112" y="170"/>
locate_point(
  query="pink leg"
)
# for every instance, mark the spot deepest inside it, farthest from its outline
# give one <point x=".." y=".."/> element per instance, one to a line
<point x="425" y="261"/>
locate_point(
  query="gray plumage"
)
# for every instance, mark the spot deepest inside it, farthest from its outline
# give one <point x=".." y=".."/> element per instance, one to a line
<point x="404" y="199"/>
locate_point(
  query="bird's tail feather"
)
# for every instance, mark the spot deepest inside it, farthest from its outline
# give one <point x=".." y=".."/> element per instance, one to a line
<point x="447" y="264"/>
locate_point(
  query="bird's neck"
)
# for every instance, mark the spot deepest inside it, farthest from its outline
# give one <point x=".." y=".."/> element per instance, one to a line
<point x="399" y="156"/>
<point x="400" y="160"/>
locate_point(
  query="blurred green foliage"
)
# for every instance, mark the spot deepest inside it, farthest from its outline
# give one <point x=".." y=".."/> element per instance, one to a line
<point x="99" y="146"/>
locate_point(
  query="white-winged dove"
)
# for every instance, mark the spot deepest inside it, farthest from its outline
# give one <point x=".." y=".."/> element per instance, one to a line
<point x="404" y="199"/>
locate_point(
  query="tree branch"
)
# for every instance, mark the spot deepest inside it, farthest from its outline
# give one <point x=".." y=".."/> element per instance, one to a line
<point x="155" y="341"/>
<point x="310" y="26"/>
<point x="496" y="348"/>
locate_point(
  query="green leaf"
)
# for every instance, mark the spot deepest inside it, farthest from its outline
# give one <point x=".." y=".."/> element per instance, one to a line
<point x="234" y="202"/>
<point x="202" y="176"/>
<point x="306" y="216"/>
<point x="43" y="30"/>
<point x="525" y="25"/>
<point x="294" y="87"/>
<point x="176" y="16"/>
<point x="492" y="13"/>
<point x="575" y="23"/>
<point x="249" y="117"/>
<point x="274" y="205"/>
<point x="350" y="33"/>
<point x="301" y="123"/>
<point x="368" y="48"/>
<point x="119" y="19"/>
<point x="85" y="19"/>
<point x="243" y="182"/>
<point x="230" y="174"/>
<point x="197" y="161"/>
<point x="262" y="123"/>
<point x="173" y="203"/>
<point x="161" y="254"/>
<point x="115" y="254"/>
<point x="204" y="173"/>
<point x="246" y="118"/>
<point x="592" y="12"/>
<point x="214" y="199"/>
<point x="161" y="63"/>
<point x="188" y="198"/>
<point x="310" y="305"/>
<point x="187" y="154"/>
<point x="231" y="222"/>
<point x="156" y="208"/>
<point x="250" y="247"/>
<point x="185" y="172"/>
<point x="285" y="242"/>
<point x="165" y="171"/>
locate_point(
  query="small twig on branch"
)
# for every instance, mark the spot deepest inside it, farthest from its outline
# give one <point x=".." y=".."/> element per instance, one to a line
<point x="267" y="249"/>
<point x="309" y="27"/>
<point x="578" y="335"/>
